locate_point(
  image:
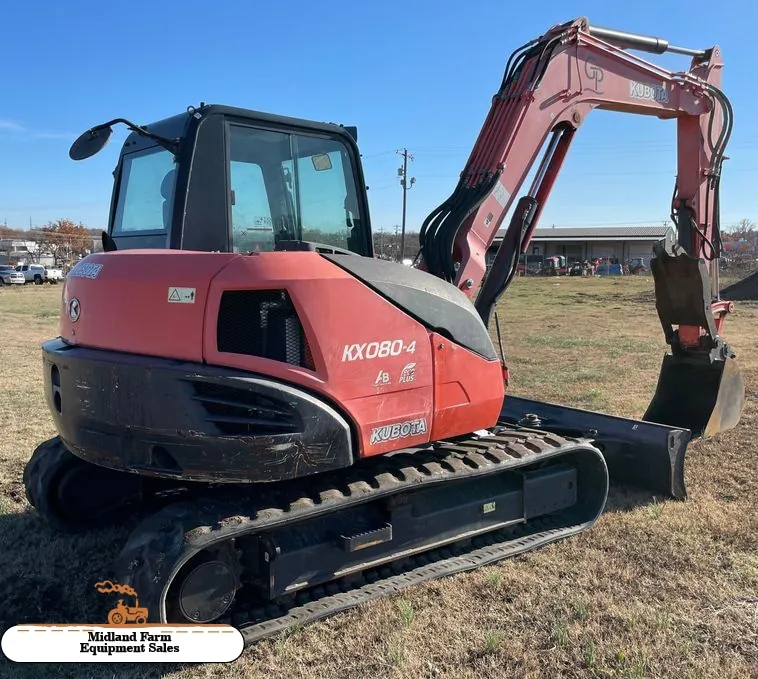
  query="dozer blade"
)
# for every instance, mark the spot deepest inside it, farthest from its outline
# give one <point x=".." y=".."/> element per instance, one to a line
<point x="638" y="453"/>
<point x="703" y="396"/>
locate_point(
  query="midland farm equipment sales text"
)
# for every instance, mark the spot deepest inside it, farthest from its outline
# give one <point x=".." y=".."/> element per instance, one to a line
<point x="158" y="643"/>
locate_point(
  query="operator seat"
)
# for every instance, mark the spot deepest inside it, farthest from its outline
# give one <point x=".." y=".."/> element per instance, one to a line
<point x="167" y="192"/>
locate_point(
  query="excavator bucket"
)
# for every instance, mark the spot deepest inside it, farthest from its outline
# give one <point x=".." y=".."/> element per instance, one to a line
<point x="703" y="396"/>
<point x="701" y="388"/>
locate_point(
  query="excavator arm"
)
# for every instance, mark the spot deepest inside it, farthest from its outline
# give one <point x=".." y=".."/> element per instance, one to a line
<point x="550" y="86"/>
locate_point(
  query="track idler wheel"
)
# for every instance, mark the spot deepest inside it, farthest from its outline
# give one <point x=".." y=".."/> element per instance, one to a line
<point x="205" y="588"/>
<point x="72" y="494"/>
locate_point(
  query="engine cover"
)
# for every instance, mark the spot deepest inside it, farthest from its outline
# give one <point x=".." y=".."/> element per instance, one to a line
<point x="398" y="378"/>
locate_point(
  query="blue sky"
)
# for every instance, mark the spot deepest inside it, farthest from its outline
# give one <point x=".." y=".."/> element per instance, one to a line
<point x="414" y="74"/>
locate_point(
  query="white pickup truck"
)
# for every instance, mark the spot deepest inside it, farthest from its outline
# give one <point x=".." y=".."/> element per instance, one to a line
<point x="38" y="274"/>
<point x="54" y="275"/>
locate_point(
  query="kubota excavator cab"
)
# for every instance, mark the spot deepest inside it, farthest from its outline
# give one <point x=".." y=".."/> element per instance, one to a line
<point x="219" y="178"/>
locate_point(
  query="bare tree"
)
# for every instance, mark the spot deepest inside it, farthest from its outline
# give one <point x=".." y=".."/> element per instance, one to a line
<point x="64" y="240"/>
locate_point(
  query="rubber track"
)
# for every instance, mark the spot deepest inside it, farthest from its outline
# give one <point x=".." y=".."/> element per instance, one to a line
<point x="160" y="545"/>
<point x="47" y="459"/>
<point x="51" y="460"/>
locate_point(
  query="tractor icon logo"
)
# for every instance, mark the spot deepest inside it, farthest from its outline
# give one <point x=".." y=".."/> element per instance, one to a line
<point x="123" y="614"/>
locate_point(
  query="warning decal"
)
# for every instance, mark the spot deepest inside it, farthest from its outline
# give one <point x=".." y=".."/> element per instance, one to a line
<point x="181" y="295"/>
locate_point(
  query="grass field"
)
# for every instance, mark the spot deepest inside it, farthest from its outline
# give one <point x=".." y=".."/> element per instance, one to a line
<point x="655" y="589"/>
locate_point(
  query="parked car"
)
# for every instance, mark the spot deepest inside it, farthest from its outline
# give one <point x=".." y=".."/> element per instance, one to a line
<point x="53" y="275"/>
<point x="33" y="273"/>
<point x="5" y="270"/>
<point x="12" y="277"/>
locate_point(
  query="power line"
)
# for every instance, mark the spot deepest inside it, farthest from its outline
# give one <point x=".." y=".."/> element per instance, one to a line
<point x="582" y="149"/>
<point x="640" y="172"/>
<point x="403" y="174"/>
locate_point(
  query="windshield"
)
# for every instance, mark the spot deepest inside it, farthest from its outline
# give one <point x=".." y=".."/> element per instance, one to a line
<point x="291" y="187"/>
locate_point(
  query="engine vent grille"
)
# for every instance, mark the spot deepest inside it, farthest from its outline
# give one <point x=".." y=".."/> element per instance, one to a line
<point x="240" y="412"/>
<point x="262" y="323"/>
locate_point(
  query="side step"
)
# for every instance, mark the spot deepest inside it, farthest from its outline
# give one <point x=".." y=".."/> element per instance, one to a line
<point x="637" y="452"/>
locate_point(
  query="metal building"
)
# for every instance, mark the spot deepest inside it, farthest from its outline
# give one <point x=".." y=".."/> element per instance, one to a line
<point x="578" y="244"/>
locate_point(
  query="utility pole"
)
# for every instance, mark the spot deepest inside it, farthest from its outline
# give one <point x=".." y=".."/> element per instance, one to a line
<point x="381" y="241"/>
<point x="403" y="174"/>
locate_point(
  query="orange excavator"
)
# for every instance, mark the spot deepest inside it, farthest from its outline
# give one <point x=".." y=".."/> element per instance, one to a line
<point x="308" y="427"/>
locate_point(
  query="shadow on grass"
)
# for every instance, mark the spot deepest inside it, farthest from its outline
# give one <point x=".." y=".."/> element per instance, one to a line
<point x="47" y="577"/>
<point x="122" y="670"/>
<point x="623" y="498"/>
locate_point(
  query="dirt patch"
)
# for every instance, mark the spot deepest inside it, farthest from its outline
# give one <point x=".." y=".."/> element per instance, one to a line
<point x="745" y="289"/>
<point x="16" y="493"/>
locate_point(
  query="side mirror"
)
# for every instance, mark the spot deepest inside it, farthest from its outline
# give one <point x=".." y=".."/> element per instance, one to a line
<point x="90" y="143"/>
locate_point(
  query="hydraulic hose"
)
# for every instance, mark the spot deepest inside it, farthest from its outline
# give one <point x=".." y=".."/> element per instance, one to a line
<point x="440" y="229"/>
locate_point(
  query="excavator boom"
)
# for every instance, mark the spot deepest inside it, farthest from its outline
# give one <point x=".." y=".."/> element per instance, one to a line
<point x="550" y="86"/>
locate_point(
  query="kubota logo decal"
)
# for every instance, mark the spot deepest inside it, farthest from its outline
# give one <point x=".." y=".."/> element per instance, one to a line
<point x="370" y="350"/>
<point x="657" y="93"/>
<point x="85" y="270"/>
<point x="399" y="430"/>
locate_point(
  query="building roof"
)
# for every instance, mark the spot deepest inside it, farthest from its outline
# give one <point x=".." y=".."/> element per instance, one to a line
<point x="598" y="233"/>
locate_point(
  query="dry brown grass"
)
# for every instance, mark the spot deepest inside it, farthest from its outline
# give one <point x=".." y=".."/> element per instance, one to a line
<point x="654" y="589"/>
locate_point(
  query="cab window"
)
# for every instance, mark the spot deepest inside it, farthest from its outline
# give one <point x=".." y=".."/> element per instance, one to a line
<point x="252" y="224"/>
<point x="291" y="187"/>
<point x="146" y="192"/>
<point x="328" y="209"/>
